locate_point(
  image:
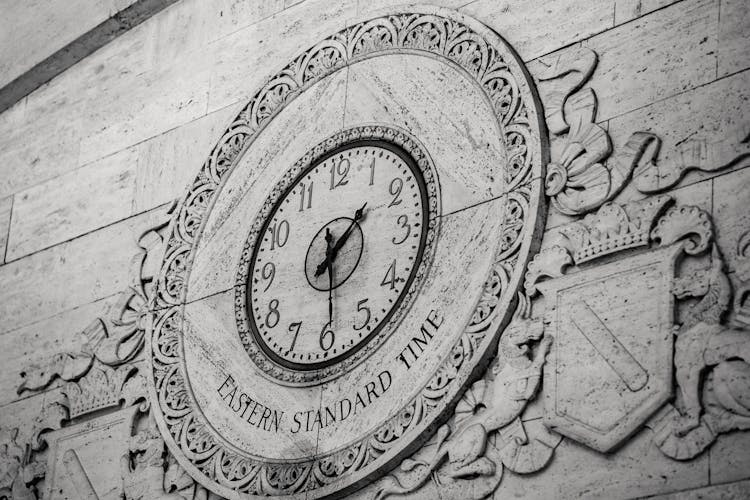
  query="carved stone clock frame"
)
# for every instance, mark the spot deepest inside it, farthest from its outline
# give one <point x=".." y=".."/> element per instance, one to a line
<point x="486" y="235"/>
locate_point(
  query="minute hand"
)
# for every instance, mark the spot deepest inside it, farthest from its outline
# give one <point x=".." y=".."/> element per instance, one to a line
<point x="340" y="242"/>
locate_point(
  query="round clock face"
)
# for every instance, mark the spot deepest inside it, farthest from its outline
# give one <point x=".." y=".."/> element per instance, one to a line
<point x="337" y="254"/>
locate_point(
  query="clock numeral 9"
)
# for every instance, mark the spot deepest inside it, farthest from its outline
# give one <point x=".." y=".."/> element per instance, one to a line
<point x="327" y="333"/>
<point x="279" y="234"/>
<point x="268" y="273"/>
<point x="302" y="196"/>
<point x="341" y="170"/>
<point x="397" y="184"/>
<point x="403" y="221"/>
<point x="273" y="316"/>
<point x="362" y="307"/>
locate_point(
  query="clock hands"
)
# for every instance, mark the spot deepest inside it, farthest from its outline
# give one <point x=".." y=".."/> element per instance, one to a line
<point x="329" y="251"/>
<point x="358" y="215"/>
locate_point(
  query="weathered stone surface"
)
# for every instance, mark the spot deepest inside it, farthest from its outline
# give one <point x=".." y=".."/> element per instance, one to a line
<point x="168" y="163"/>
<point x="68" y="275"/>
<point x="658" y="56"/>
<point x="35" y="30"/>
<point x="544" y="29"/>
<point x="236" y="58"/>
<point x="729" y="459"/>
<point x="734" y="43"/>
<point x="731" y="491"/>
<point x="33" y="152"/>
<point x="164" y="98"/>
<point x="5" y="210"/>
<point x="731" y="195"/>
<point x="73" y="204"/>
<point x="627" y="10"/>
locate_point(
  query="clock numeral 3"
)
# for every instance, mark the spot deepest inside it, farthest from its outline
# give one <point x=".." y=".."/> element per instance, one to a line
<point x="341" y="170"/>
<point x="327" y="333"/>
<point x="279" y="234"/>
<point x="403" y="221"/>
<point x="273" y="316"/>
<point x="397" y="184"/>
<point x="295" y="327"/>
<point x="360" y="308"/>
<point x="302" y="197"/>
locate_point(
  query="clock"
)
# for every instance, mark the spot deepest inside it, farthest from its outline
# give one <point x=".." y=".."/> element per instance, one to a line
<point x="347" y="257"/>
<point x="335" y="260"/>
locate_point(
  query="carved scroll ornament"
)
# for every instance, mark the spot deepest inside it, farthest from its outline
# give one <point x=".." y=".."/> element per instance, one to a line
<point x="584" y="172"/>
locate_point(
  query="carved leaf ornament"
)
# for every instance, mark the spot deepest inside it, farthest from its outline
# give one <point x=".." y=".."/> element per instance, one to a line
<point x="492" y="66"/>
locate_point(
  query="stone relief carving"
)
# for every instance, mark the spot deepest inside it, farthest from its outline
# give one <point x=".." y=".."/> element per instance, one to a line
<point x="579" y="177"/>
<point x="466" y="450"/>
<point x="114" y="340"/>
<point x="437" y="36"/>
<point x="709" y="358"/>
<point x="584" y="171"/>
<point x="695" y="153"/>
<point x="712" y="363"/>
<point x="101" y="376"/>
<point x="708" y="351"/>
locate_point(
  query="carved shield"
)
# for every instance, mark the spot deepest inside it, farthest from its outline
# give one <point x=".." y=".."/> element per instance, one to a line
<point x="611" y="362"/>
<point x="84" y="459"/>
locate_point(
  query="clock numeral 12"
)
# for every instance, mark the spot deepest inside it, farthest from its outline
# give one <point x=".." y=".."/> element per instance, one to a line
<point x="302" y="196"/>
<point x="342" y="170"/>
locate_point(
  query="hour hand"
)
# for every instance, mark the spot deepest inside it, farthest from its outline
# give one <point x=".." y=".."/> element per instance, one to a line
<point x="326" y="264"/>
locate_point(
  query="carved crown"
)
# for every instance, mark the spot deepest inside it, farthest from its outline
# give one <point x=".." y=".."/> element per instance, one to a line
<point x="613" y="228"/>
<point x="100" y="388"/>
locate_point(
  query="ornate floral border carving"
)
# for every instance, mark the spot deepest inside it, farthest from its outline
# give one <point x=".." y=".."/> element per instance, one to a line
<point x="496" y="70"/>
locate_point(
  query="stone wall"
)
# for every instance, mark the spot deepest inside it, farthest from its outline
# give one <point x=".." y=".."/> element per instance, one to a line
<point x="93" y="161"/>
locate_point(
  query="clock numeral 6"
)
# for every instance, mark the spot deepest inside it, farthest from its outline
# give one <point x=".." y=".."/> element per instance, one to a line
<point x="341" y="170"/>
<point x="279" y="234"/>
<point x="273" y="316"/>
<point x="327" y="333"/>
<point x="360" y="308"/>
<point x="403" y="221"/>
